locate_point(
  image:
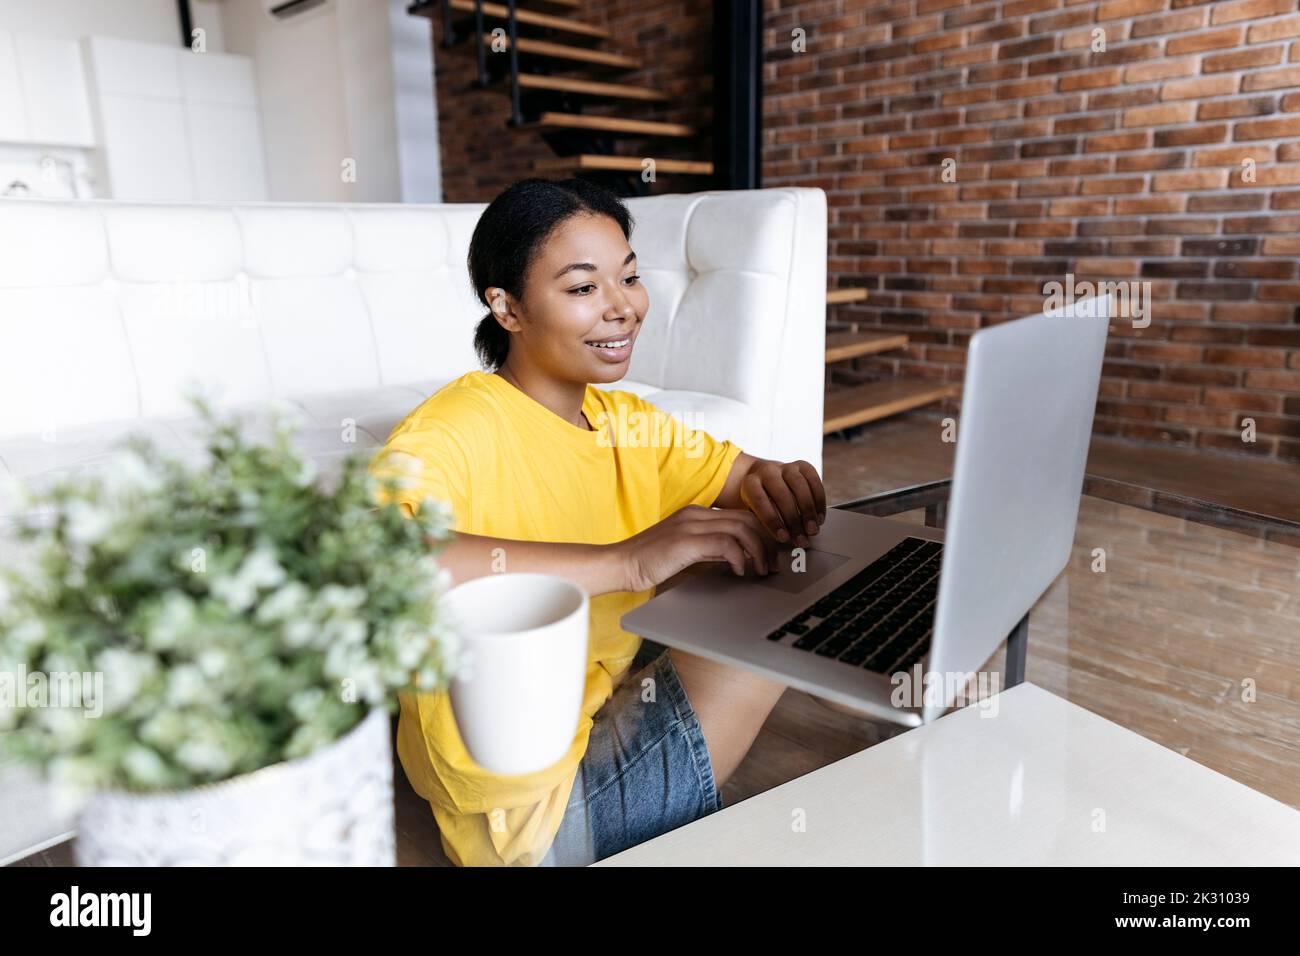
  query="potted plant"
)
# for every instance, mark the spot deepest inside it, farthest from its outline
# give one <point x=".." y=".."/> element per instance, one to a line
<point x="206" y="651"/>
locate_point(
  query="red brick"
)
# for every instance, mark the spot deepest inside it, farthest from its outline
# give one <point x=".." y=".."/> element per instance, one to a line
<point x="1179" y="22"/>
<point x="1160" y="70"/>
<point x="1202" y="87"/>
<point x="1226" y="109"/>
<point x="1243" y="401"/>
<point x="1274" y="380"/>
<point x="1242" y="59"/>
<point x="1165" y="114"/>
<point x="1214" y="40"/>
<point x="1232" y="156"/>
<point x="1249" y="10"/>
<point x="1123" y="9"/>
<point x="1117" y="141"/>
<point x="1267" y="129"/>
<point x="1252" y="313"/>
<point x="1273" y="30"/>
<point x="1271" y="80"/>
<point x="1244" y="358"/>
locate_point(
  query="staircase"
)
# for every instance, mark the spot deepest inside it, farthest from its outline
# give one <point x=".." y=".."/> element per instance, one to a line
<point x="848" y="406"/>
<point x="560" y="74"/>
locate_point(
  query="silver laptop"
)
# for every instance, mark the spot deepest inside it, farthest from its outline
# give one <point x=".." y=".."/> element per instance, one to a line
<point x="874" y="597"/>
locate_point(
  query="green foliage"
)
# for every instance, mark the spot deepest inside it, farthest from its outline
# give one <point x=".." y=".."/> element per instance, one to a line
<point x="234" y="611"/>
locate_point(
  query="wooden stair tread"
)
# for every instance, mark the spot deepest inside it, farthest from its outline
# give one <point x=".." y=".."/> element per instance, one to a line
<point x="866" y="403"/>
<point x="565" y="84"/>
<point x="847" y="345"/>
<point x="500" y="11"/>
<point x="840" y="296"/>
<point x="562" y="51"/>
<point x="631" y="164"/>
<point x="610" y="124"/>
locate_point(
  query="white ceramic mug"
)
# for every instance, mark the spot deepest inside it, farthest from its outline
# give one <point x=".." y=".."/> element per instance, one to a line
<point x="525" y="640"/>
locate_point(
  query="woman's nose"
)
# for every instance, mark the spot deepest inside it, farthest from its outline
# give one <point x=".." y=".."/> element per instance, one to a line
<point x="621" y="307"/>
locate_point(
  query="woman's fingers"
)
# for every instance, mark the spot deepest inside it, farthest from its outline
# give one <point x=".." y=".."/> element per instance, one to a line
<point x="745" y="529"/>
<point x="763" y="508"/>
<point x="749" y="533"/>
<point x="781" y="495"/>
<point x="818" y="489"/>
<point x="719" y="546"/>
<point x="803" y="495"/>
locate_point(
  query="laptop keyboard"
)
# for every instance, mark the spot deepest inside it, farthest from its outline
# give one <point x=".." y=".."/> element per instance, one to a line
<point x="882" y="618"/>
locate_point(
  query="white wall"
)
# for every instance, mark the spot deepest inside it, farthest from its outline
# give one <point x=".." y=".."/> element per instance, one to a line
<point x="300" y="89"/>
<point x="417" y="105"/>
<point x="342" y="82"/>
<point x="366" y="62"/>
<point x="153" y="21"/>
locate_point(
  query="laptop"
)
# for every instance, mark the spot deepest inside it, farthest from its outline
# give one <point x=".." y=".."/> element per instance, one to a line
<point x="876" y="597"/>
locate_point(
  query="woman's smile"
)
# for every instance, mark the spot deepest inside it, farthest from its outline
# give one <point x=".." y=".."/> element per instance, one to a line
<point x="614" y="349"/>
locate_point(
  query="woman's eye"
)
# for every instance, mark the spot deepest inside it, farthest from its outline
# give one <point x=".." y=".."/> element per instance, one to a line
<point x="591" y="287"/>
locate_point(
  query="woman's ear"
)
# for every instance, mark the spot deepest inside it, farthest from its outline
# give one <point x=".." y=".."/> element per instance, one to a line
<point x="502" y="308"/>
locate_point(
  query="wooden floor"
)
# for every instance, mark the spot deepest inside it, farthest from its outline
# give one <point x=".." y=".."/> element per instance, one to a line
<point x="1164" y="643"/>
<point x="1258" y="485"/>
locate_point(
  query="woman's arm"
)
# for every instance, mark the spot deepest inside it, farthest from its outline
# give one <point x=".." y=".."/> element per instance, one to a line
<point x="787" y="497"/>
<point x="686" y="537"/>
<point x="592" y="567"/>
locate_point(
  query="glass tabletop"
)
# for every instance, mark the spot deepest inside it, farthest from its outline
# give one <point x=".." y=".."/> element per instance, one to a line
<point x="1188" y="634"/>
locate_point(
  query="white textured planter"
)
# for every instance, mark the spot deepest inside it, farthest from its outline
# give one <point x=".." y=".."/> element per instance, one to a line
<point x="333" y="807"/>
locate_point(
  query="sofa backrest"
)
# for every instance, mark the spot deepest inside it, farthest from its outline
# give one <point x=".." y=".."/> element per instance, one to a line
<point x="108" y="309"/>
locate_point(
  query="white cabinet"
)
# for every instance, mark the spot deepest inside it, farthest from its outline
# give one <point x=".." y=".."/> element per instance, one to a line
<point x="43" y="96"/>
<point x="225" y="127"/>
<point x="54" y="88"/>
<point x="146" y="150"/>
<point x="13" y="112"/>
<point x="177" y="125"/>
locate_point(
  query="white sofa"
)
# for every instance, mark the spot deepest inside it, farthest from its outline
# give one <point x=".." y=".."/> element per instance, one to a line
<point x="358" y="312"/>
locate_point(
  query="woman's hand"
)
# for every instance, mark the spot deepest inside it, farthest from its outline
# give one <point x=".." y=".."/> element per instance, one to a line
<point x="787" y="497"/>
<point x="689" y="536"/>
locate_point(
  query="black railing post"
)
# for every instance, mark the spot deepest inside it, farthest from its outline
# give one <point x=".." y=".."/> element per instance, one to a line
<point x="516" y="115"/>
<point x="478" y="38"/>
<point x="1017" y="651"/>
<point x="448" y="30"/>
<point x="737" y="93"/>
<point x="187" y="23"/>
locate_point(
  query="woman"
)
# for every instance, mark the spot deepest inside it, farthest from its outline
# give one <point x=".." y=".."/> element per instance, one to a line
<point x="542" y="475"/>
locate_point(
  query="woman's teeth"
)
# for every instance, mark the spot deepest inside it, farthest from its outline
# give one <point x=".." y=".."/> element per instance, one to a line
<point x="616" y="344"/>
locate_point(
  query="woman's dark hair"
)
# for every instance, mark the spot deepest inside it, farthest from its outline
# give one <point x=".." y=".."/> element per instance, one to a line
<point x="509" y="234"/>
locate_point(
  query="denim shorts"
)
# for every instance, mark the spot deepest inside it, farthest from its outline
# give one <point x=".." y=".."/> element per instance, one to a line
<point x="646" y="770"/>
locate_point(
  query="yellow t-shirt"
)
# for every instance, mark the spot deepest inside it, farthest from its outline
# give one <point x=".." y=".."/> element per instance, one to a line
<point x="511" y="468"/>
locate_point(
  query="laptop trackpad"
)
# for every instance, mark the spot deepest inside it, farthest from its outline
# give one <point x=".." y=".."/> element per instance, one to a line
<point x="794" y="577"/>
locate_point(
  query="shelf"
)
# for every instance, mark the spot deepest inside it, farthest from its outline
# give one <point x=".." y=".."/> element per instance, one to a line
<point x="858" y="404"/>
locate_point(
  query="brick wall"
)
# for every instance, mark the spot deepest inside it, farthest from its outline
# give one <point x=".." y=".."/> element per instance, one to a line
<point x="1126" y="164"/>
<point x="672" y="39"/>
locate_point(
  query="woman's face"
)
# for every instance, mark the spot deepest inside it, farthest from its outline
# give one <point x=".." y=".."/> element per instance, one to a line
<point x="583" y="303"/>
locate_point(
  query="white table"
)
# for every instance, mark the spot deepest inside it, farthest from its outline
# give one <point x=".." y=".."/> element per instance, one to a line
<point x="1042" y="782"/>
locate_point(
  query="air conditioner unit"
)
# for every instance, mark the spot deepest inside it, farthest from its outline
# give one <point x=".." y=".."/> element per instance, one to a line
<point x="288" y="9"/>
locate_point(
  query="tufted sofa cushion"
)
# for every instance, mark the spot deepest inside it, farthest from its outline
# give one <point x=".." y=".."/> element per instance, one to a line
<point x="108" y="311"/>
